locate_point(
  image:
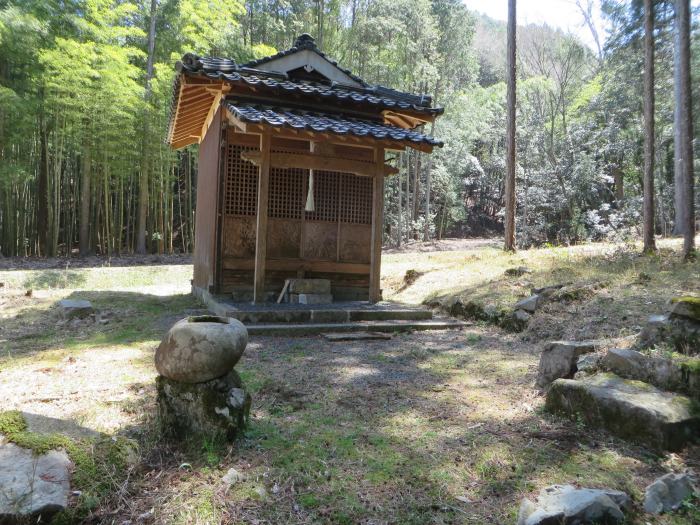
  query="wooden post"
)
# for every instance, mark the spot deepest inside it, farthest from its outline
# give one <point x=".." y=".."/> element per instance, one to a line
<point x="375" y="292"/>
<point x="261" y="225"/>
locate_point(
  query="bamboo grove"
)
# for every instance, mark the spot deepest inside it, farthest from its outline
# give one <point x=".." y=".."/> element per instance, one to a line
<point x="85" y="93"/>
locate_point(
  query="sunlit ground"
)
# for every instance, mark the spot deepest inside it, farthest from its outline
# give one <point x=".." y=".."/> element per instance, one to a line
<point x="440" y="427"/>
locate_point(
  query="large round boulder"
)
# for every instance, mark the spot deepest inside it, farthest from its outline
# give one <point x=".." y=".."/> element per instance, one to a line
<point x="201" y="348"/>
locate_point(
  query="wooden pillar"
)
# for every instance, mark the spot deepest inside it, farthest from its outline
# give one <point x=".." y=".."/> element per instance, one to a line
<point x="261" y="225"/>
<point x="375" y="291"/>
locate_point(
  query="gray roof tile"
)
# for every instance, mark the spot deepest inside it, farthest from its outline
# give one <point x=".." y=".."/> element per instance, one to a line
<point x="325" y="123"/>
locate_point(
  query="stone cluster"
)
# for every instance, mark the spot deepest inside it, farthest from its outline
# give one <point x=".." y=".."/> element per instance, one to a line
<point x="199" y="392"/>
<point x="574" y="505"/>
<point x="638" y="393"/>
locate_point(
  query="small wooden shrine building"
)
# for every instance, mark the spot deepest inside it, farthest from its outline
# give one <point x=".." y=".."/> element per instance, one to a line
<point x="291" y="169"/>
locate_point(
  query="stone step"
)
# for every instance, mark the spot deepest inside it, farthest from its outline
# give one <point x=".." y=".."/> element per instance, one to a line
<point x="326" y="315"/>
<point x="300" y="329"/>
<point x="340" y="312"/>
<point x="674" y="374"/>
<point x="630" y="409"/>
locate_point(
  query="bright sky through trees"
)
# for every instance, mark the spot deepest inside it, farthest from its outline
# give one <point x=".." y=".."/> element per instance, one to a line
<point x="563" y="14"/>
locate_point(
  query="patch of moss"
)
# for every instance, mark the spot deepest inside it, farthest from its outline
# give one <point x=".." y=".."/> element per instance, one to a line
<point x="99" y="463"/>
<point x="691" y="302"/>
<point x="12" y="422"/>
<point x="691" y="366"/>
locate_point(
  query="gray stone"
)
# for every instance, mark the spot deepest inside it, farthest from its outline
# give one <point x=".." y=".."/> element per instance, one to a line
<point x="32" y="486"/>
<point x="309" y="286"/>
<point x="518" y="271"/>
<point x="559" y="359"/>
<point x="219" y="407"/>
<point x="75" y="308"/>
<point x="567" y="505"/>
<point x="311" y="298"/>
<point x="667" y="493"/>
<point x="529" y="304"/>
<point x="680" y="332"/>
<point x="547" y="291"/>
<point x="688" y="307"/>
<point x="521" y="316"/>
<point x="629" y="409"/>
<point x="587" y="364"/>
<point x="202" y="348"/>
<point x="664" y="372"/>
<point x="232" y="477"/>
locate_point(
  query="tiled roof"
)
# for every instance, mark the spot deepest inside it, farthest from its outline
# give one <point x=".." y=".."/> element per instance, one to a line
<point x="305" y="41"/>
<point x="325" y="123"/>
<point x="380" y="96"/>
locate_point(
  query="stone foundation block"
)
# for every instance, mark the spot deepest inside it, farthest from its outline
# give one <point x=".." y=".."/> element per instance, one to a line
<point x="219" y="407"/>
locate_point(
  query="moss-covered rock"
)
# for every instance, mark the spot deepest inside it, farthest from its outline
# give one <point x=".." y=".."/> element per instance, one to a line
<point x="686" y="306"/>
<point x="675" y="373"/>
<point x="630" y="409"/>
<point x="101" y="463"/>
<point x="577" y="292"/>
<point x="681" y="333"/>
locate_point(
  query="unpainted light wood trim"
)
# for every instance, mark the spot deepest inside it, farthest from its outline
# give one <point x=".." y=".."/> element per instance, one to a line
<point x="313" y="161"/>
<point x="261" y="224"/>
<point x="292" y="265"/>
<point x="185" y="141"/>
<point x="375" y="292"/>
<point x="210" y="116"/>
<point x="407" y="121"/>
<point x="171" y="131"/>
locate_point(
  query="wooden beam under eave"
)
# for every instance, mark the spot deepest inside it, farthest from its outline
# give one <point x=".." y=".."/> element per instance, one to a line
<point x="375" y="288"/>
<point x="236" y="122"/>
<point x="210" y="116"/>
<point x="409" y="118"/>
<point x="195" y="98"/>
<point x="187" y="119"/>
<point x="313" y="161"/>
<point x="181" y="143"/>
<point x="186" y="131"/>
<point x="261" y="224"/>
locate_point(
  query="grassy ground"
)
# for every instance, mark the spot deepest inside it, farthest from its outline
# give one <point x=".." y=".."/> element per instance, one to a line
<point x="440" y="427"/>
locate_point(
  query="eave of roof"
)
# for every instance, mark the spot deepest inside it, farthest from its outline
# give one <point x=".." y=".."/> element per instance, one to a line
<point x="274" y="82"/>
<point x="278" y="117"/>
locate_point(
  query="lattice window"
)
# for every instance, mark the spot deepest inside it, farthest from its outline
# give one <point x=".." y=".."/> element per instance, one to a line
<point x="287" y="193"/>
<point x="326" y="189"/>
<point x="241" y="188"/>
<point x="356" y="199"/>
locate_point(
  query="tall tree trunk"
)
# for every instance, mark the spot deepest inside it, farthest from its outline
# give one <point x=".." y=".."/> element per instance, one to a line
<point x="145" y="161"/>
<point x="618" y="178"/>
<point x="649" y="242"/>
<point x="85" y="193"/>
<point x="509" y="244"/>
<point x="43" y="203"/>
<point x="683" y="130"/>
